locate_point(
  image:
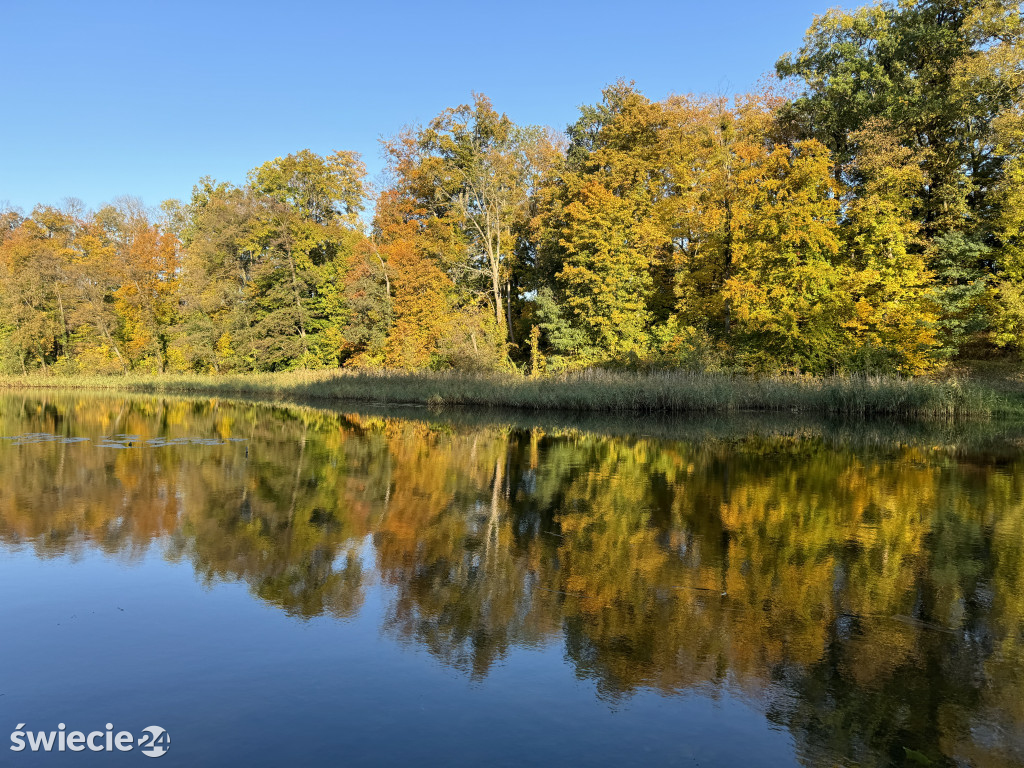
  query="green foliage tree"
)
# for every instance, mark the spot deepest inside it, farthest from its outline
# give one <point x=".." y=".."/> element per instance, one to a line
<point x="265" y="265"/>
<point x="943" y="76"/>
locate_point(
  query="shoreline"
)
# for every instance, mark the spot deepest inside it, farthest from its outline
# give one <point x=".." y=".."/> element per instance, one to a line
<point x="594" y="391"/>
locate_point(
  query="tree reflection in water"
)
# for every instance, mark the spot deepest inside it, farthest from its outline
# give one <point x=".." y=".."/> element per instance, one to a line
<point x="867" y="591"/>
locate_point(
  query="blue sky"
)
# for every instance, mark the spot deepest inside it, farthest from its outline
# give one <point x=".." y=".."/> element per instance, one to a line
<point x="102" y="99"/>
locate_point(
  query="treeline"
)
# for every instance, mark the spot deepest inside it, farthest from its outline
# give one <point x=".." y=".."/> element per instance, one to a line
<point x="863" y="211"/>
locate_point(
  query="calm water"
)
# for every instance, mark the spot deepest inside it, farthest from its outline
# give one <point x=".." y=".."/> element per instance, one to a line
<point x="296" y="586"/>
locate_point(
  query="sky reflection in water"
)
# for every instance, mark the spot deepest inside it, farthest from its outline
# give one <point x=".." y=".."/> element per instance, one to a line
<point x="278" y="584"/>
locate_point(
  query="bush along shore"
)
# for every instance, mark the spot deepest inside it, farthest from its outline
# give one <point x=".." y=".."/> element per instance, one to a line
<point x="589" y="391"/>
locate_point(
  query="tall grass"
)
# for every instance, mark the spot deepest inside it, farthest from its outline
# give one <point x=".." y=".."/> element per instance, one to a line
<point x="589" y="391"/>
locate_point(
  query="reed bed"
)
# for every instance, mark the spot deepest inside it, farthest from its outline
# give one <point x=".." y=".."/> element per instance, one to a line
<point x="587" y="391"/>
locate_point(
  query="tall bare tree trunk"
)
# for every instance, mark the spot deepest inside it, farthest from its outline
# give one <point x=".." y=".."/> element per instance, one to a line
<point x="508" y="312"/>
<point x="499" y="312"/>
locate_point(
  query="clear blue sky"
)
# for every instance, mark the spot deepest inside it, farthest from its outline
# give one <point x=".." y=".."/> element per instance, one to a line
<point x="103" y="98"/>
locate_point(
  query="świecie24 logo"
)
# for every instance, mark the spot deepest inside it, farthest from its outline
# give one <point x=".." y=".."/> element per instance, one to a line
<point x="153" y="741"/>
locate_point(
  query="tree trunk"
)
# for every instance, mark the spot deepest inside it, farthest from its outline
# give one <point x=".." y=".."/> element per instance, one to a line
<point x="727" y="262"/>
<point x="499" y="312"/>
<point x="298" y="302"/>
<point x="508" y="313"/>
<point x="64" y="323"/>
<point x="384" y="269"/>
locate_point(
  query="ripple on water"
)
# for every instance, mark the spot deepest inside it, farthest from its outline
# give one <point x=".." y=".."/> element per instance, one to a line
<point x="42" y="437"/>
<point x="118" y="442"/>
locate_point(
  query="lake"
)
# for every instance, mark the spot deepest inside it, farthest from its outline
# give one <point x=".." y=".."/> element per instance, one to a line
<point x="290" y="585"/>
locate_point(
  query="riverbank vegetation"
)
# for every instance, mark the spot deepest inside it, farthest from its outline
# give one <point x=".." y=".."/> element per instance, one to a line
<point x="860" y="214"/>
<point x="589" y="391"/>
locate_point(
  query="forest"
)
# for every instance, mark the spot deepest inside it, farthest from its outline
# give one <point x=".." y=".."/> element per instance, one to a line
<point x="861" y="211"/>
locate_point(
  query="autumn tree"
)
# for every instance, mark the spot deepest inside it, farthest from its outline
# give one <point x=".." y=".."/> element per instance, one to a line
<point x="46" y="270"/>
<point x="214" y="333"/>
<point x="895" y="322"/>
<point x="712" y="152"/>
<point x="942" y="75"/>
<point x="465" y="180"/>
<point x="34" y="258"/>
<point x="264" y="264"/>
<point x="143" y="266"/>
<point x="601" y="250"/>
<point x="753" y="221"/>
<point x="785" y="287"/>
<point x="1009" y="225"/>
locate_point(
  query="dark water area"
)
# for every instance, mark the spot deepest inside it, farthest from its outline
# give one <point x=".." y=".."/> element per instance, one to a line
<point x="285" y="585"/>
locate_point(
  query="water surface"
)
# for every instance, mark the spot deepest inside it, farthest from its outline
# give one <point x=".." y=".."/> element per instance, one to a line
<point x="288" y="585"/>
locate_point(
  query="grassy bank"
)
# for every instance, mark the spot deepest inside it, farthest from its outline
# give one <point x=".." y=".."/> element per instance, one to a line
<point x="592" y="391"/>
